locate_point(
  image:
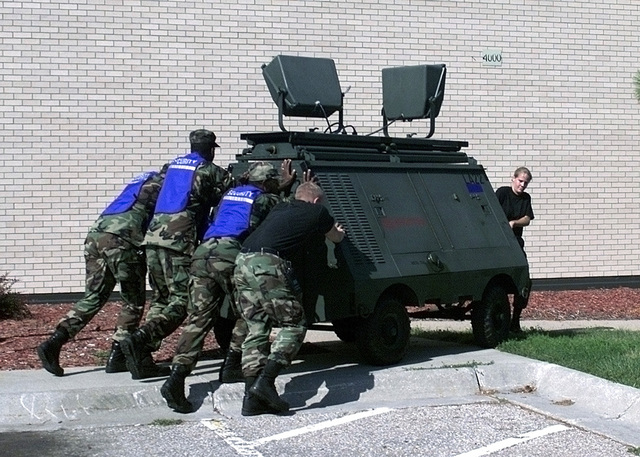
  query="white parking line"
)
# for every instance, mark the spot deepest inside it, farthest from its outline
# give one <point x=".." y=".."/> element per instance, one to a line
<point x="242" y="447"/>
<point x="248" y="448"/>
<point x="486" y="450"/>
<point x="323" y="425"/>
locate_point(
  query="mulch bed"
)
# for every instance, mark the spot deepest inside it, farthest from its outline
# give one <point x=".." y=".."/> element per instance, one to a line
<point x="19" y="338"/>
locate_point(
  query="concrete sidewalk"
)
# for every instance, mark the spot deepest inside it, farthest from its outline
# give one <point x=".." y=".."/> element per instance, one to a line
<point x="442" y="324"/>
<point x="329" y="374"/>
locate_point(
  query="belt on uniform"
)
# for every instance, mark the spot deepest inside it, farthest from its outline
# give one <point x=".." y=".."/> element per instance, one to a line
<point x="260" y="251"/>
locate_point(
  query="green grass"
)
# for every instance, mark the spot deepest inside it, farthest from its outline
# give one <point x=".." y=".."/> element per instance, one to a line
<point x="101" y="356"/>
<point x="608" y="354"/>
<point x="167" y="422"/>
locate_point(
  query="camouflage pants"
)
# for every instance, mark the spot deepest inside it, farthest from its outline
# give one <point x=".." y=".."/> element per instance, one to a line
<point x="266" y="300"/>
<point x="169" y="279"/>
<point x="110" y="260"/>
<point x="209" y="282"/>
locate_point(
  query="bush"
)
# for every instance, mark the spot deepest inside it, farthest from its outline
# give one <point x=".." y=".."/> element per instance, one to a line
<point x="12" y="304"/>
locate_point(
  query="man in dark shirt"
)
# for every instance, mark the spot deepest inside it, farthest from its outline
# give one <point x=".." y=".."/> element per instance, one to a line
<point x="269" y="294"/>
<point x="516" y="204"/>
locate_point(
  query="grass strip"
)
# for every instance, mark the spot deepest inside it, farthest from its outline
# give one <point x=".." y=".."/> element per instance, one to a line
<point x="607" y="353"/>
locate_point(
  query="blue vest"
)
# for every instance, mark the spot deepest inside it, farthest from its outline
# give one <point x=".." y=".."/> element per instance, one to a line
<point x="125" y="201"/>
<point x="175" y="191"/>
<point x="234" y="213"/>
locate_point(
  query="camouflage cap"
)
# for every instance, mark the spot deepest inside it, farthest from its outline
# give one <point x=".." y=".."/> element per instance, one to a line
<point x="203" y="136"/>
<point x="261" y="171"/>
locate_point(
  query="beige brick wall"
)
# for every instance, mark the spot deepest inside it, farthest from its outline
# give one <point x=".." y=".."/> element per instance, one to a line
<point x="95" y="91"/>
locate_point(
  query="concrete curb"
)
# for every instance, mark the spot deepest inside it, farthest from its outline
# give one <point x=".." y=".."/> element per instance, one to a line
<point x="331" y="376"/>
<point x="577" y="398"/>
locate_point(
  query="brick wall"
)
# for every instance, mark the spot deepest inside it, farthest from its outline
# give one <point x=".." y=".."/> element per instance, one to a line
<point x="95" y="91"/>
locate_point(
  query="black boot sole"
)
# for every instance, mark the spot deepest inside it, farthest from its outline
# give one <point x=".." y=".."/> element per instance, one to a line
<point x="178" y="405"/>
<point x="278" y="404"/>
<point x="48" y="365"/>
<point x="141" y="372"/>
<point x="146" y="372"/>
<point x="131" y="363"/>
<point x="255" y="406"/>
<point x="120" y="367"/>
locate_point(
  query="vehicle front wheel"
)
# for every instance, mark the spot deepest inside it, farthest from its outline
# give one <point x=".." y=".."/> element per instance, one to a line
<point x="347" y="329"/>
<point x="490" y="318"/>
<point x="383" y="337"/>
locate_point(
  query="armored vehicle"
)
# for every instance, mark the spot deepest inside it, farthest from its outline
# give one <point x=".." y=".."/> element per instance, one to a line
<point x="424" y="230"/>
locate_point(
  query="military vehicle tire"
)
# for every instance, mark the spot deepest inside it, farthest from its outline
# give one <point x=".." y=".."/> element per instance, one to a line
<point x="491" y="317"/>
<point x="383" y="337"/>
<point x="347" y="329"/>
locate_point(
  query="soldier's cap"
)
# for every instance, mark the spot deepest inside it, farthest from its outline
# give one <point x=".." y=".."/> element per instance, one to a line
<point x="203" y="136"/>
<point x="261" y="171"/>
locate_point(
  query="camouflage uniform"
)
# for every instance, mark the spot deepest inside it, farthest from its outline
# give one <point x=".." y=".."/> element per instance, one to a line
<point x="170" y="242"/>
<point x="267" y="275"/>
<point x="266" y="298"/>
<point x="241" y="209"/>
<point x="113" y="254"/>
<point x="210" y="281"/>
<point x="192" y="186"/>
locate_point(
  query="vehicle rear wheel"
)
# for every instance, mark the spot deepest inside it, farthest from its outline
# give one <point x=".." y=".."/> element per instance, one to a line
<point x="383" y="337"/>
<point x="347" y="329"/>
<point x="491" y="317"/>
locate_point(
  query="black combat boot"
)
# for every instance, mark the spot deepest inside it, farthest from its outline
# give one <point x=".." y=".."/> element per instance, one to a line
<point x="49" y="352"/>
<point x="265" y="389"/>
<point x="231" y="370"/>
<point x="148" y="369"/>
<point x="252" y="405"/>
<point x="173" y="390"/>
<point x="116" y="363"/>
<point x="138" y="355"/>
<point x="135" y="347"/>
